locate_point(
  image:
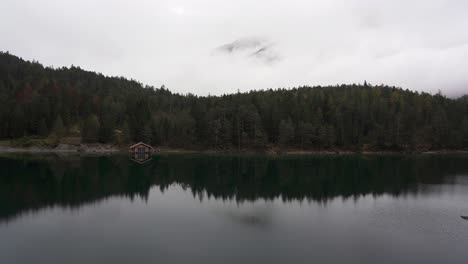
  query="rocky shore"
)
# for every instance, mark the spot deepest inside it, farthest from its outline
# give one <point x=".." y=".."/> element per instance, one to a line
<point x="86" y="148"/>
<point x="108" y="148"/>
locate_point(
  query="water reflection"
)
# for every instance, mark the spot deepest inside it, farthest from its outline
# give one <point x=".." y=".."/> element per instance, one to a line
<point x="141" y="157"/>
<point x="256" y="217"/>
<point x="34" y="182"/>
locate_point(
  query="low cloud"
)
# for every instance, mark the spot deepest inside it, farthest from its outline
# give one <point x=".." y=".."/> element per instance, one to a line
<point x="215" y="47"/>
<point x="251" y="48"/>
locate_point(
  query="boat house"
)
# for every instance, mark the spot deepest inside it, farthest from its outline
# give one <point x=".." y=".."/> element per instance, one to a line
<point x="141" y="148"/>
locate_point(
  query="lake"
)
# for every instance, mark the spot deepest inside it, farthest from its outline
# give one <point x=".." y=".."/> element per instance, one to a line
<point x="187" y="208"/>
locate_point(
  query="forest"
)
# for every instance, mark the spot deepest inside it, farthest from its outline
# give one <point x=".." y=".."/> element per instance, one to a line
<point x="56" y="103"/>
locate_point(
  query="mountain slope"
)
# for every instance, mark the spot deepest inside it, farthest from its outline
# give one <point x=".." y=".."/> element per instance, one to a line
<point x="46" y="102"/>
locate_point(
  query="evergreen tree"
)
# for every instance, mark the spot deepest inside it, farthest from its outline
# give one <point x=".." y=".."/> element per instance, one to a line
<point x="58" y="129"/>
<point x="286" y="132"/>
<point x="43" y="130"/>
<point x="35" y="100"/>
<point x="464" y="132"/>
<point x="126" y="137"/>
<point x="90" y="130"/>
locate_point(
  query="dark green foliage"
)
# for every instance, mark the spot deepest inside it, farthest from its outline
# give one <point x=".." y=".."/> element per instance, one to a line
<point x="286" y="132"/>
<point x="90" y="130"/>
<point x="125" y="133"/>
<point x="39" y="101"/>
<point x="42" y="130"/>
<point x="58" y="129"/>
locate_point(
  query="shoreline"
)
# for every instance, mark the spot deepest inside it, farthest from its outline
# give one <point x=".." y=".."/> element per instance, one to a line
<point x="111" y="149"/>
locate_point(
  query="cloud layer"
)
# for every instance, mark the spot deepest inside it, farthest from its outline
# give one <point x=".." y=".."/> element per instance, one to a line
<point x="255" y="48"/>
<point x="206" y="46"/>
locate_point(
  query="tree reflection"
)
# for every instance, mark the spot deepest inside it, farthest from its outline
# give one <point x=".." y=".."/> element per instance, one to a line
<point x="32" y="182"/>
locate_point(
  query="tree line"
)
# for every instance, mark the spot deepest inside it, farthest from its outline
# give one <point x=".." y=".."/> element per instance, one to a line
<point x="44" y="102"/>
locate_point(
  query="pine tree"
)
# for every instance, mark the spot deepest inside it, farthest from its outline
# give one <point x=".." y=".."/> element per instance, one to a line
<point x="126" y="137"/>
<point x="464" y="132"/>
<point x="286" y="132"/>
<point x="90" y="130"/>
<point x="43" y="130"/>
<point x="58" y="129"/>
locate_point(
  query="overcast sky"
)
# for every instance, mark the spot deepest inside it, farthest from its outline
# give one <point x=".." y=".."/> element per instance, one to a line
<point x="214" y="46"/>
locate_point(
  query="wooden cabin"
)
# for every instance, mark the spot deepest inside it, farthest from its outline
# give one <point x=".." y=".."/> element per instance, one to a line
<point x="141" y="148"/>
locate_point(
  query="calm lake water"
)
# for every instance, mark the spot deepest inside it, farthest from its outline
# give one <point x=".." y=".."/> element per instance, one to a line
<point x="229" y="209"/>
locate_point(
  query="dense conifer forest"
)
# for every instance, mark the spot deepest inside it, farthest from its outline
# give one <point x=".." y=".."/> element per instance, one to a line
<point x="55" y="103"/>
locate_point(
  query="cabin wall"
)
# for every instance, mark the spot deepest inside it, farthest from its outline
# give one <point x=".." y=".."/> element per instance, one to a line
<point x="140" y="149"/>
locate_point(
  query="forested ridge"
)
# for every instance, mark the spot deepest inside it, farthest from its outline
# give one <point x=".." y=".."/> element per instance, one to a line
<point x="44" y="102"/>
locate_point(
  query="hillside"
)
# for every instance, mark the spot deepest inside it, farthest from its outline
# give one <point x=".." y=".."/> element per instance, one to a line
<point x="46" y="103"/>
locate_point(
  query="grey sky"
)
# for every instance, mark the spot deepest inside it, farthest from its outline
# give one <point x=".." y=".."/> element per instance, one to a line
<point x="185" y="44"/>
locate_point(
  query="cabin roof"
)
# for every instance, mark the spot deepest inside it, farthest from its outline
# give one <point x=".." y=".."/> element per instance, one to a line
<point x="140" y="143"/>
